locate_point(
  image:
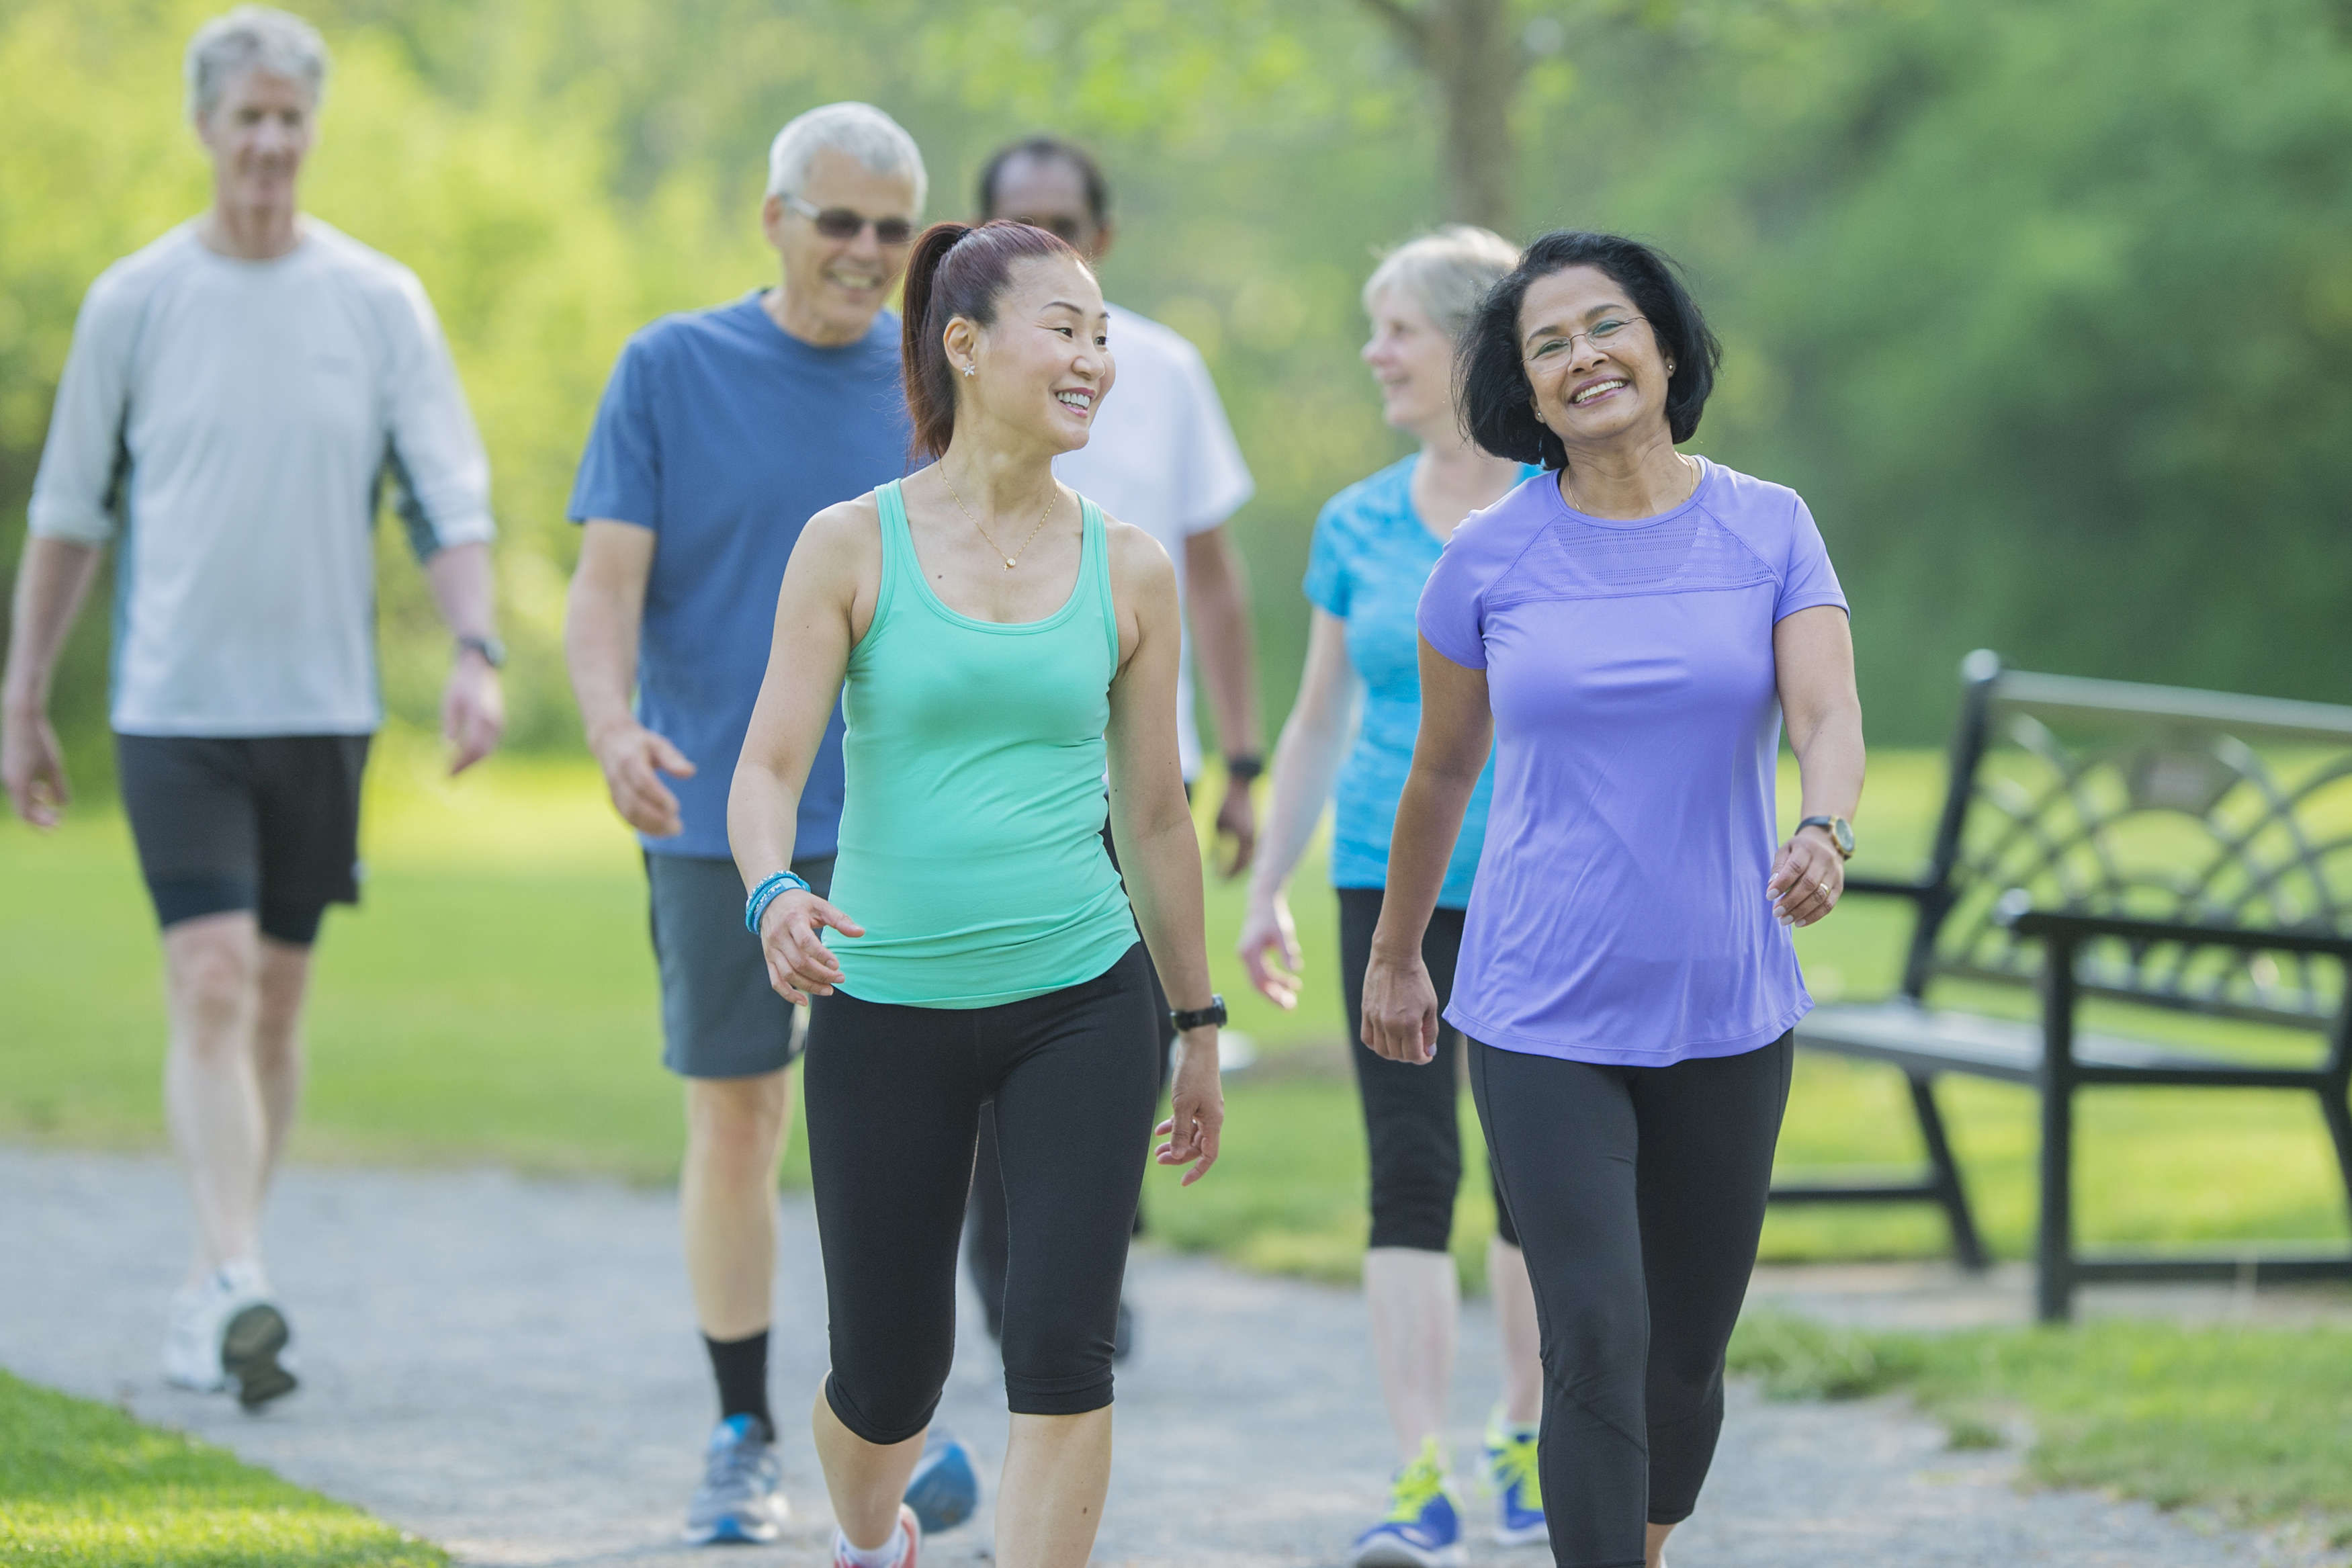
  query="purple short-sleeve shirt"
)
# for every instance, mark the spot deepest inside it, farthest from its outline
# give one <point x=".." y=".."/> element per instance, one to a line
<point x="1619" y="914"/>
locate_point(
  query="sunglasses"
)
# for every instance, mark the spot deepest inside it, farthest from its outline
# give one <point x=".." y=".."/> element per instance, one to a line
<point x="843" y="223"/>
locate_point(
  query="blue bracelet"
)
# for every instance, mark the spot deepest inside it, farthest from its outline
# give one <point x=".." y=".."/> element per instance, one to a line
<point x="770" y="888"/>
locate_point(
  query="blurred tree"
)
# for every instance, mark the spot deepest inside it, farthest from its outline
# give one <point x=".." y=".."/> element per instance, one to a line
<point x="2044" y="308"/>
<point x="1476" y="62"/>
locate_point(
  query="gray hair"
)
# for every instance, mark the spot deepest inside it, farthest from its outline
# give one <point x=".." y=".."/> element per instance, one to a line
<point x="251" y="38"/>
<point x="1448" y="273"/>
<point x="859" y="130"/>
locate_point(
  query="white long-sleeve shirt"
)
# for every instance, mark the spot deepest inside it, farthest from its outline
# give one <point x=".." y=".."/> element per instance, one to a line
<point x="230" y="423"/>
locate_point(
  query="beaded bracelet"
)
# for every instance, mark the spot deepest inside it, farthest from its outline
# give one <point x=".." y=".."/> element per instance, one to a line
<point x="771" y="887"/>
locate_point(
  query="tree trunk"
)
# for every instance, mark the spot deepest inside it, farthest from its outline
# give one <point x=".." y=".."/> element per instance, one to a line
<point x="1475" y="65"/>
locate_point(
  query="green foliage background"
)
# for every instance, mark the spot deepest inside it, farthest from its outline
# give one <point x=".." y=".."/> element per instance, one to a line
<point x="2045" y="307"/>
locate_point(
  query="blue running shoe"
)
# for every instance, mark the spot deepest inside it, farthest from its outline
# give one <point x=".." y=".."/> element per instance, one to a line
<point x="944" y="1490"/>
<point x="1423" y="1527"/>
<point x="1511" y="1471"/>
<point x="737" y="1503"/>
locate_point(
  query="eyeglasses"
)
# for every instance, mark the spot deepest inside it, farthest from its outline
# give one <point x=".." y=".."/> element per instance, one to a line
<point x="1598" y="336"/>
<point x="844" y="223"/>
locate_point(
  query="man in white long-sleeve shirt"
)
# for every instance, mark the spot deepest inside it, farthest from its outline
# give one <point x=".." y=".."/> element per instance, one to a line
<point x="237" y="396"/>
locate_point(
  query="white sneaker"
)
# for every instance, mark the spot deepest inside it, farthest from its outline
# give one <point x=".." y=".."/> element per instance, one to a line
<point x="227" y="1335"/>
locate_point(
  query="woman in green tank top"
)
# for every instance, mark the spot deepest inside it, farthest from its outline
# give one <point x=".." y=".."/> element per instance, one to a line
<point x="997" y="645"/>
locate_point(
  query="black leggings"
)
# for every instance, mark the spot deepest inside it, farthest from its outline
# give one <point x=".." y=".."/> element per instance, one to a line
<point x="1411" y="1117"/>
<point x="1639" y="1194"/>
<point x="894" y="1098"/>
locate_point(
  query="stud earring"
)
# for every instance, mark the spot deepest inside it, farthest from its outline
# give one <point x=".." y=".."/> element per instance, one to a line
<point x="970" y="369"/>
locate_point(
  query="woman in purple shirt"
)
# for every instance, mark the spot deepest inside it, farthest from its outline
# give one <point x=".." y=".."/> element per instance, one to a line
<point x="1630" y="628"/>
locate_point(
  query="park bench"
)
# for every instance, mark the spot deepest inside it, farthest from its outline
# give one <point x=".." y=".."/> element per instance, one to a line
<point x="2176" y="851"/>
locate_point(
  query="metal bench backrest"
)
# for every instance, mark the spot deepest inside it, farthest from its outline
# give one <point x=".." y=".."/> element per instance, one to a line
<point x="2149" y="801"/>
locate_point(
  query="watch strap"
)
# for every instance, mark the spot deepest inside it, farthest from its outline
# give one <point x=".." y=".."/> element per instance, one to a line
<point x="1214" y="1013"/>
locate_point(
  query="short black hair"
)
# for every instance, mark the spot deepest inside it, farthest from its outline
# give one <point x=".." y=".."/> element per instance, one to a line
<point x="1047" y="147"/>
<point x="1497" y="402"/>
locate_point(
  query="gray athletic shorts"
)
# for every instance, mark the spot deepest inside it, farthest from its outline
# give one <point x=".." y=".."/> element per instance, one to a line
<point x="720" y="1018"/>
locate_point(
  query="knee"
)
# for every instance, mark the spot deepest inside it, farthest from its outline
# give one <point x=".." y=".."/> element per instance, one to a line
<point x="735" y="1125"/>
<point x="885" y="1411"/>
<point x="1057" y="1354"/>
<point x="214" y="984"/>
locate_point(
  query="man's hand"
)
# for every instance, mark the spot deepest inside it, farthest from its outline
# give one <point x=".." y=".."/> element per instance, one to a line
<point x="33" y="767"/>
<point x="473" y="711"/>
<point x="1237" y="820"/>
<point x="634" y="759"/>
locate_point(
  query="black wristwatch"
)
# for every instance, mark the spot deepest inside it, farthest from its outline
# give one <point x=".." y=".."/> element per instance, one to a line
<point x="493" y="651"/>
<point x="1840" y="833"/>
<point x="1241" y="770"/>
<point x="1214" y="1013"/>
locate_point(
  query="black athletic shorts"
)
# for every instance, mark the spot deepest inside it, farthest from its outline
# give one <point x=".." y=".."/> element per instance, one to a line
<point x="264" y="822"/>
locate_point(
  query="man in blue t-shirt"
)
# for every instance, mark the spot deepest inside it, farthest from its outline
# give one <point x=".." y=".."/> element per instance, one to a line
<point x="722" y="432"/>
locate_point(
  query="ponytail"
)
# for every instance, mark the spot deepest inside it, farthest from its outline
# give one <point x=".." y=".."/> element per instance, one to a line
<point x="955" y="271"/>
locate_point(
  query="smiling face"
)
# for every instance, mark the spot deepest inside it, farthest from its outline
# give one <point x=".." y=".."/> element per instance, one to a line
<point x="259" y="130"/>
<point x="1596" y="368"/>
<point x="833" y="287"/>
<point x="1044" y="367"/>
<point x="1413" y="360"/>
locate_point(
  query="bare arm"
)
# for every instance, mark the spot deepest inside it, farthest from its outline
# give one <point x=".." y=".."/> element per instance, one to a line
<point x="1223" y="645"/>
<point x="1153" y="825"/>
<point x="1306" y="760"/>
<point x="602" y="614"/>
<point x="1456" y="729"/>
<point x="52" y="579"/>
<point x="1812" y="652"/>
<point x="473" y="704"/>
<point x="823" y="608"/>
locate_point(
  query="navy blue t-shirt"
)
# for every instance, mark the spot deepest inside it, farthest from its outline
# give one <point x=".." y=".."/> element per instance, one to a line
<point x="725" y="435"/>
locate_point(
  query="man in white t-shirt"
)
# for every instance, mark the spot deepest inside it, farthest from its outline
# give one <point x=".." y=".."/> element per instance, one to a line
<point x="237" y="395"/>
<point x="1162" y="458"/>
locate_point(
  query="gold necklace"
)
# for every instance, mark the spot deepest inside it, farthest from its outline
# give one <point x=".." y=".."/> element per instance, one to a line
<point x="1009" y="561"/>
<point x="1682" y="460"/>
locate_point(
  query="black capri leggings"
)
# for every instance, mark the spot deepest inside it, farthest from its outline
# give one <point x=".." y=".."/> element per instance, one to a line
<point x="1639" y="1194"/>
<point x="894" y="1096"/>
<point x="1411" y="1117"/>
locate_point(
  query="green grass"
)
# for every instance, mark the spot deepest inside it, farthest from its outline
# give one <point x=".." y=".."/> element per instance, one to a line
<point x="83" y="1484"/>
<point x="493" y="1000"/>
<point x="2254" y="1421"/>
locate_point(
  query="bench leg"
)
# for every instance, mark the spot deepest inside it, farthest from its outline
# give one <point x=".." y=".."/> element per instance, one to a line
<point x="1967" y="1250"/>
<point x="2338" y="1115"/>
<point x="2055" y="1248"/>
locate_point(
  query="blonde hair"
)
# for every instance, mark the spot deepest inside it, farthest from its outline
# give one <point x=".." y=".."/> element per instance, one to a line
<point x="1448" y="273"/>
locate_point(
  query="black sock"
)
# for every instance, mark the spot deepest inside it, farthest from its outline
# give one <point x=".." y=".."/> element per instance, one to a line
<point x="742" y="1366"/>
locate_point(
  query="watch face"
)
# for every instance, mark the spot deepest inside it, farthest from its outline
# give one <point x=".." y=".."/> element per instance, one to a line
<point x="1842" y="831"/>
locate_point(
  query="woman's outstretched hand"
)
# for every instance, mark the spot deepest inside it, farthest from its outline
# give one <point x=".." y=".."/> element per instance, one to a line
<point x="1806" y="878"/>
<point x="1269" y="950"/>
<point x="1400" y="1009"/>
<point x="1196" y="1116"/>
<point x="798" y="961"/>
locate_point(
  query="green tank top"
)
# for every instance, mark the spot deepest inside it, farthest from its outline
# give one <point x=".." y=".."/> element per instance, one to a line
<point x="971" y="827"/>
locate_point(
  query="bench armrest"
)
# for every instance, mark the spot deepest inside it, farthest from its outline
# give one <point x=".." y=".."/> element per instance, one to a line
<point x="2072" y="927"/>
<point x="1887" y="887"/>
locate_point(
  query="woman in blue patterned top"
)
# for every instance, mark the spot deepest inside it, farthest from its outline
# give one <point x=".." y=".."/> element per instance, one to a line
<point x="1375" y="544"/>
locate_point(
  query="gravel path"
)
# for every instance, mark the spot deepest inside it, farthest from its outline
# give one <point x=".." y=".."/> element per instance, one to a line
<point x="509" y="1367"/>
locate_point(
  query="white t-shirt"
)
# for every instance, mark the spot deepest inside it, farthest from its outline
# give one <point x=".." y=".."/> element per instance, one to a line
<point x="1163" y="457"/>
<point x="231" y="423"/>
